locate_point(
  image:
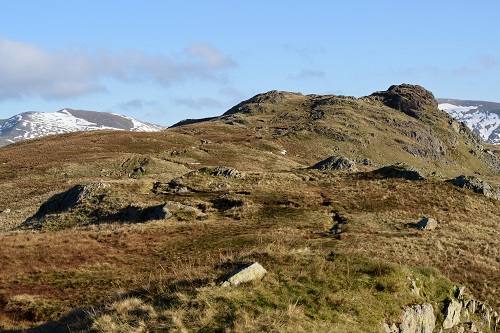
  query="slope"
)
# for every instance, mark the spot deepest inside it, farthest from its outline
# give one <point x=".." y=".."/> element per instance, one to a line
<point x="137" y="228"/>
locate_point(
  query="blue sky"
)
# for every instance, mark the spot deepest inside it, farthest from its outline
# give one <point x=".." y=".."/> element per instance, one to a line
<point x="164" y="61"/>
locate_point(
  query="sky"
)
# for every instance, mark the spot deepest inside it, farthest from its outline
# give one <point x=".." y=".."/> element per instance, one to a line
<point x="163" y="61"/>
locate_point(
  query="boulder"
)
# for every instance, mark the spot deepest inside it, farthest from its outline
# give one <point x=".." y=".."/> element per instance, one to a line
<point x="427" y="223"/>
<point x="245" y="273"/>
<point x="418" y="319"/>
<point x="400" y="170"/>
<point x="452" y="314"/>
<point x="166" y="210"/>
<point x="336" y="163"/>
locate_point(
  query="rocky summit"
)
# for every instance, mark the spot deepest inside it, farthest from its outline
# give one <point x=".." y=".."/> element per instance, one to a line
<point x="286" y="213"/>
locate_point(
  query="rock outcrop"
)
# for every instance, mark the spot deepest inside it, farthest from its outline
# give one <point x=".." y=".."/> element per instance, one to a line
<point x="400" y="170"/>
<point x="336" y="163"/>
<point x="245" y="273"/>
<point x="90" y="194"/>
<point x="461" y="314"/>
<point x="418" y="319"/>
<point x="477" y="185"/>
<point x="413" y="100"/>
<point x="452" y="315"/>
<point x="227" y="172"/>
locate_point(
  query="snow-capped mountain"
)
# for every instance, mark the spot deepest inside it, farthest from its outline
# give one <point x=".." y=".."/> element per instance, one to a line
<point x="483" y="118"/>
<point x="29" y="125"/>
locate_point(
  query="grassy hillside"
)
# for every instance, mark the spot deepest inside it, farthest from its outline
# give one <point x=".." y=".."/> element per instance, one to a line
<point x="340" y="247"/>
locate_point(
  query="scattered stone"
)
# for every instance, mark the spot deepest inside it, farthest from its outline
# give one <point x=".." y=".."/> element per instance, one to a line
<point x="400" y="170"/>
<point x="452" y="315"/>
<point x="336" y="163"/>
<point x="460" y="292"/>
<point x="227" y="172"/>
<point x="173" y="206"/>
<point x="471" y="306"/>
<point x="182" y="189"/>
<point x="364" y="161"/>
<point x="418" y="318"/>
<point x="477" y="185"/>
<point x="245" y="273"/>
<point x="222" y="186"/>
<point x="414" y="288"/>
<point x="486" y="318"/>
<point x="427" y="223"/>
<point x="391" y="329"/>
<point x="472" y="327"/>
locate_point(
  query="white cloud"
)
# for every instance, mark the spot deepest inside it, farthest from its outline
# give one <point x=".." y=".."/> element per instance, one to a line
<point x="29" y="70"/>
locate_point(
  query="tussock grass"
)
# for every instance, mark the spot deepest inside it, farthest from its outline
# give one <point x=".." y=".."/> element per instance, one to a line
<point x="305" y="291"/>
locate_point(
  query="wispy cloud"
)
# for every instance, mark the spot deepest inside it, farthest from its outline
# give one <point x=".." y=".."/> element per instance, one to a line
<point x="135" y="104"/>
<point x="305" y="52"/>
<point x="29" y="70"/>
<point x="232" y="92"/>
<point x="428" y="70"/>
<point x="488" y="62"/>
<point x="306" y="74"/>
<point x="198" y="103"/>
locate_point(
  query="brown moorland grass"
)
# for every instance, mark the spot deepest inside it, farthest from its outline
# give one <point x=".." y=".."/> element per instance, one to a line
<point x="166" y="271"/>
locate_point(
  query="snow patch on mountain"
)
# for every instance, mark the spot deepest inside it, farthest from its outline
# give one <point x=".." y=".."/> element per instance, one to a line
<point x="483" y="118"/>
<point x="31" y="125"/>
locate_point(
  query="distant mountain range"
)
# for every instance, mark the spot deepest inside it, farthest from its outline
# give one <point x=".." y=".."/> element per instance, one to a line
<point x="483" y="118"/>
<point x="29" y="125"/>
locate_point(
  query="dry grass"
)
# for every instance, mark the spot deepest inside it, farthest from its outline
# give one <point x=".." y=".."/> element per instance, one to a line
<point x="279" y="215"/>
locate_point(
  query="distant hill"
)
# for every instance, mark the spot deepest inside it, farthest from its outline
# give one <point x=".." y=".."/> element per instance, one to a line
<point x="483" y="118"/>
<point x="29" y="125"/>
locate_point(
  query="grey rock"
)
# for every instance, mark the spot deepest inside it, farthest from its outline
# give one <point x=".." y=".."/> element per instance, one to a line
<point x="460" y="292"/>
<point x="390" y="329"/>
<point x="182" y="189"/>
<point x="167" y="210"/>
<point x="418" y="319"/>
<point x="427" y="223"/>
<point x="477" y="185"/>
<point x="452" y="315"/>
<point x="336" y="163"/>
<point x="400" y="170"/>
<point x="222" y="186"/>
<point x="245" y="273"/>
<point x="227" y="172"/>
<point x="471" y="306"/>
<point x="472" y="327"/>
